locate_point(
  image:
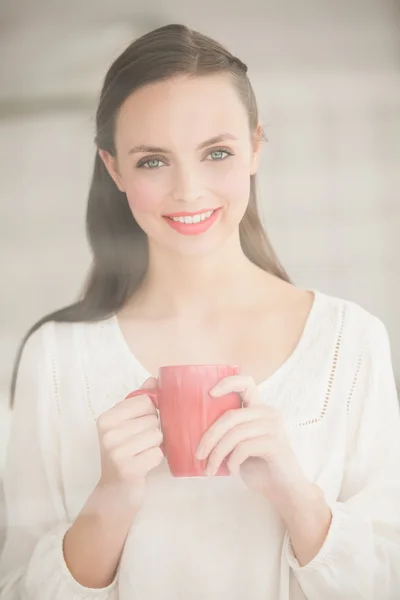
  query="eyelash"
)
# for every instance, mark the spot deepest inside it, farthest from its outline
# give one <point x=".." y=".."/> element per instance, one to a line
<point x="143" y="162"/>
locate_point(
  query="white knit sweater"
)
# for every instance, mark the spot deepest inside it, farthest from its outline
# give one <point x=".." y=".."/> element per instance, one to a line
<point x="211" y="538"/>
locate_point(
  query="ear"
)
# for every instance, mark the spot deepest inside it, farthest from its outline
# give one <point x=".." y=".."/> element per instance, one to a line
<point x="111" y="165"/>
<point x="256" y="155"/>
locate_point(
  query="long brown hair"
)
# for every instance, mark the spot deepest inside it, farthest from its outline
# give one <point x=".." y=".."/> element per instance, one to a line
<point x="119" y="245"/>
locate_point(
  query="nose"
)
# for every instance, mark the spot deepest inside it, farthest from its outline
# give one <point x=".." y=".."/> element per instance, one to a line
<point x="186" y="186"/>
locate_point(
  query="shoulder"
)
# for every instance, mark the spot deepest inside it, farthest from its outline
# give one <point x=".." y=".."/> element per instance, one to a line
<point x="51" y="334"/>
<point x="351" y="319"/>
<point x="58" y="358"/>
<point x="357" y="345"/>
<point x="55" y="341"/>
<point x="360" y="338"/>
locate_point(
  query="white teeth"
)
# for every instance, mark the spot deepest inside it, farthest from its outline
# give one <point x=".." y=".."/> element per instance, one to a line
<point x="194" y="219"/>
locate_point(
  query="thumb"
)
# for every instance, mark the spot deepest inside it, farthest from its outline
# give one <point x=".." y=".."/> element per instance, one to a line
<point x="151" y="383"/>
<point x="242" y="385"/>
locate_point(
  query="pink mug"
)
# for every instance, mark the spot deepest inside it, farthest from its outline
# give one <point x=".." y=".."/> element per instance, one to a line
<point x="187" y="410"/>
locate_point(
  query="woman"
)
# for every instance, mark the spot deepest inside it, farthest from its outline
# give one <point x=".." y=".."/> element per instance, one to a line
<point x="183" y="273"/>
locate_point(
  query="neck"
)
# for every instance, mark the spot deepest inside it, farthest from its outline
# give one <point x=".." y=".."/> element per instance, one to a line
<point x="195" y="285"/>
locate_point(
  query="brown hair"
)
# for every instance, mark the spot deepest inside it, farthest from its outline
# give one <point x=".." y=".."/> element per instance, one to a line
<point x="118" y="244"/>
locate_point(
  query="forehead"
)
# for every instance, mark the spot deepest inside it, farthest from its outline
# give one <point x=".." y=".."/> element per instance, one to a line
<point x="181" y="109"/>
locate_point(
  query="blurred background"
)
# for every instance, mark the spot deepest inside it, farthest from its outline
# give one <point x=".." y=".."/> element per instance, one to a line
<point x="327" y="77"/>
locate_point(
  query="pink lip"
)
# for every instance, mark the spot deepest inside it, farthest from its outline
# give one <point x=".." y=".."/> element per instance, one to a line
<point x="193" y="228"/>
<point x="189" y="214"/>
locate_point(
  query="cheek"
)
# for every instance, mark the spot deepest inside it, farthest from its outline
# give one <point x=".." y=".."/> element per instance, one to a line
<point x="143" y="196"/>
<point x="235" y="187"/>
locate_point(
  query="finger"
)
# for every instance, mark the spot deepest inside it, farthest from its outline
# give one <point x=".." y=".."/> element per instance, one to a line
<point x="128" y="408"/>
<point x="256" y="447"/>
<point x="245" y="386"/>
<point x="233" y="438"/>
<point x="150" y="384"/>
<point x="226" y="422"/>
<point x="139" y="443"/>
<point x="123" y="433"/>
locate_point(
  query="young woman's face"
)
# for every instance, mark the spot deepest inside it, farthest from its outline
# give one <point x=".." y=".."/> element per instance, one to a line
<point x="184" y="156"/>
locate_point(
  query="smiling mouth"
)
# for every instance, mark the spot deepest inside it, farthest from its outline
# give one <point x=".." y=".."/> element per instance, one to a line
<point x="192" y="219"/>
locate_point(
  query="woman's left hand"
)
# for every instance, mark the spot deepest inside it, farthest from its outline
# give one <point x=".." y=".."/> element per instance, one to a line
<point x="258" y="448"/>
<point x="254" y="439"/>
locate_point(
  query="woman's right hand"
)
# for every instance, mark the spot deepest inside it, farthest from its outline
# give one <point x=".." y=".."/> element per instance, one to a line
<point x="130" y="438"/>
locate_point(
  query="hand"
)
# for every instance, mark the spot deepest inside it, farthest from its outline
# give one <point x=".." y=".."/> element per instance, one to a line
<point x="130" y="438"/>
<point x="254" y="441"/>
<point x="258" y="448"/>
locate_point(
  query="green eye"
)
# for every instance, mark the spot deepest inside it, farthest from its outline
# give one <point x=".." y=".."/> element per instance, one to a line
<point x="150" y="164"/>
<point x="218" y="152"/>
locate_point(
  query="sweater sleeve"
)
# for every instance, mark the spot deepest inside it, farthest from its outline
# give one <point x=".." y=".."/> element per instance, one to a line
<point x="32" y="565"/>
<point x="360" y="559"/>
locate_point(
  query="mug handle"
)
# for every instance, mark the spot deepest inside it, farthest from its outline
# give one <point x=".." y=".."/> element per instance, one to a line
<point x="153" y="395"/>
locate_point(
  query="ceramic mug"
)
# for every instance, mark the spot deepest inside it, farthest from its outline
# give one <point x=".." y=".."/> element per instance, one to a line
<point x="187" y="410"/>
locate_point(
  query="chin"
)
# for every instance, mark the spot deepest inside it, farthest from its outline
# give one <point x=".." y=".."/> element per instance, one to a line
<point x="204" y="245"/>
<point x="198" y="247"/>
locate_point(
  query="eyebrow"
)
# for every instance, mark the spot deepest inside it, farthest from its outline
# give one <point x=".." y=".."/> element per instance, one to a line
<point x="214" y="140"/>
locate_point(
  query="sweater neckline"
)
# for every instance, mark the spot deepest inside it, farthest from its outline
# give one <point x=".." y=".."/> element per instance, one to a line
<point x="307" y="334"/>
